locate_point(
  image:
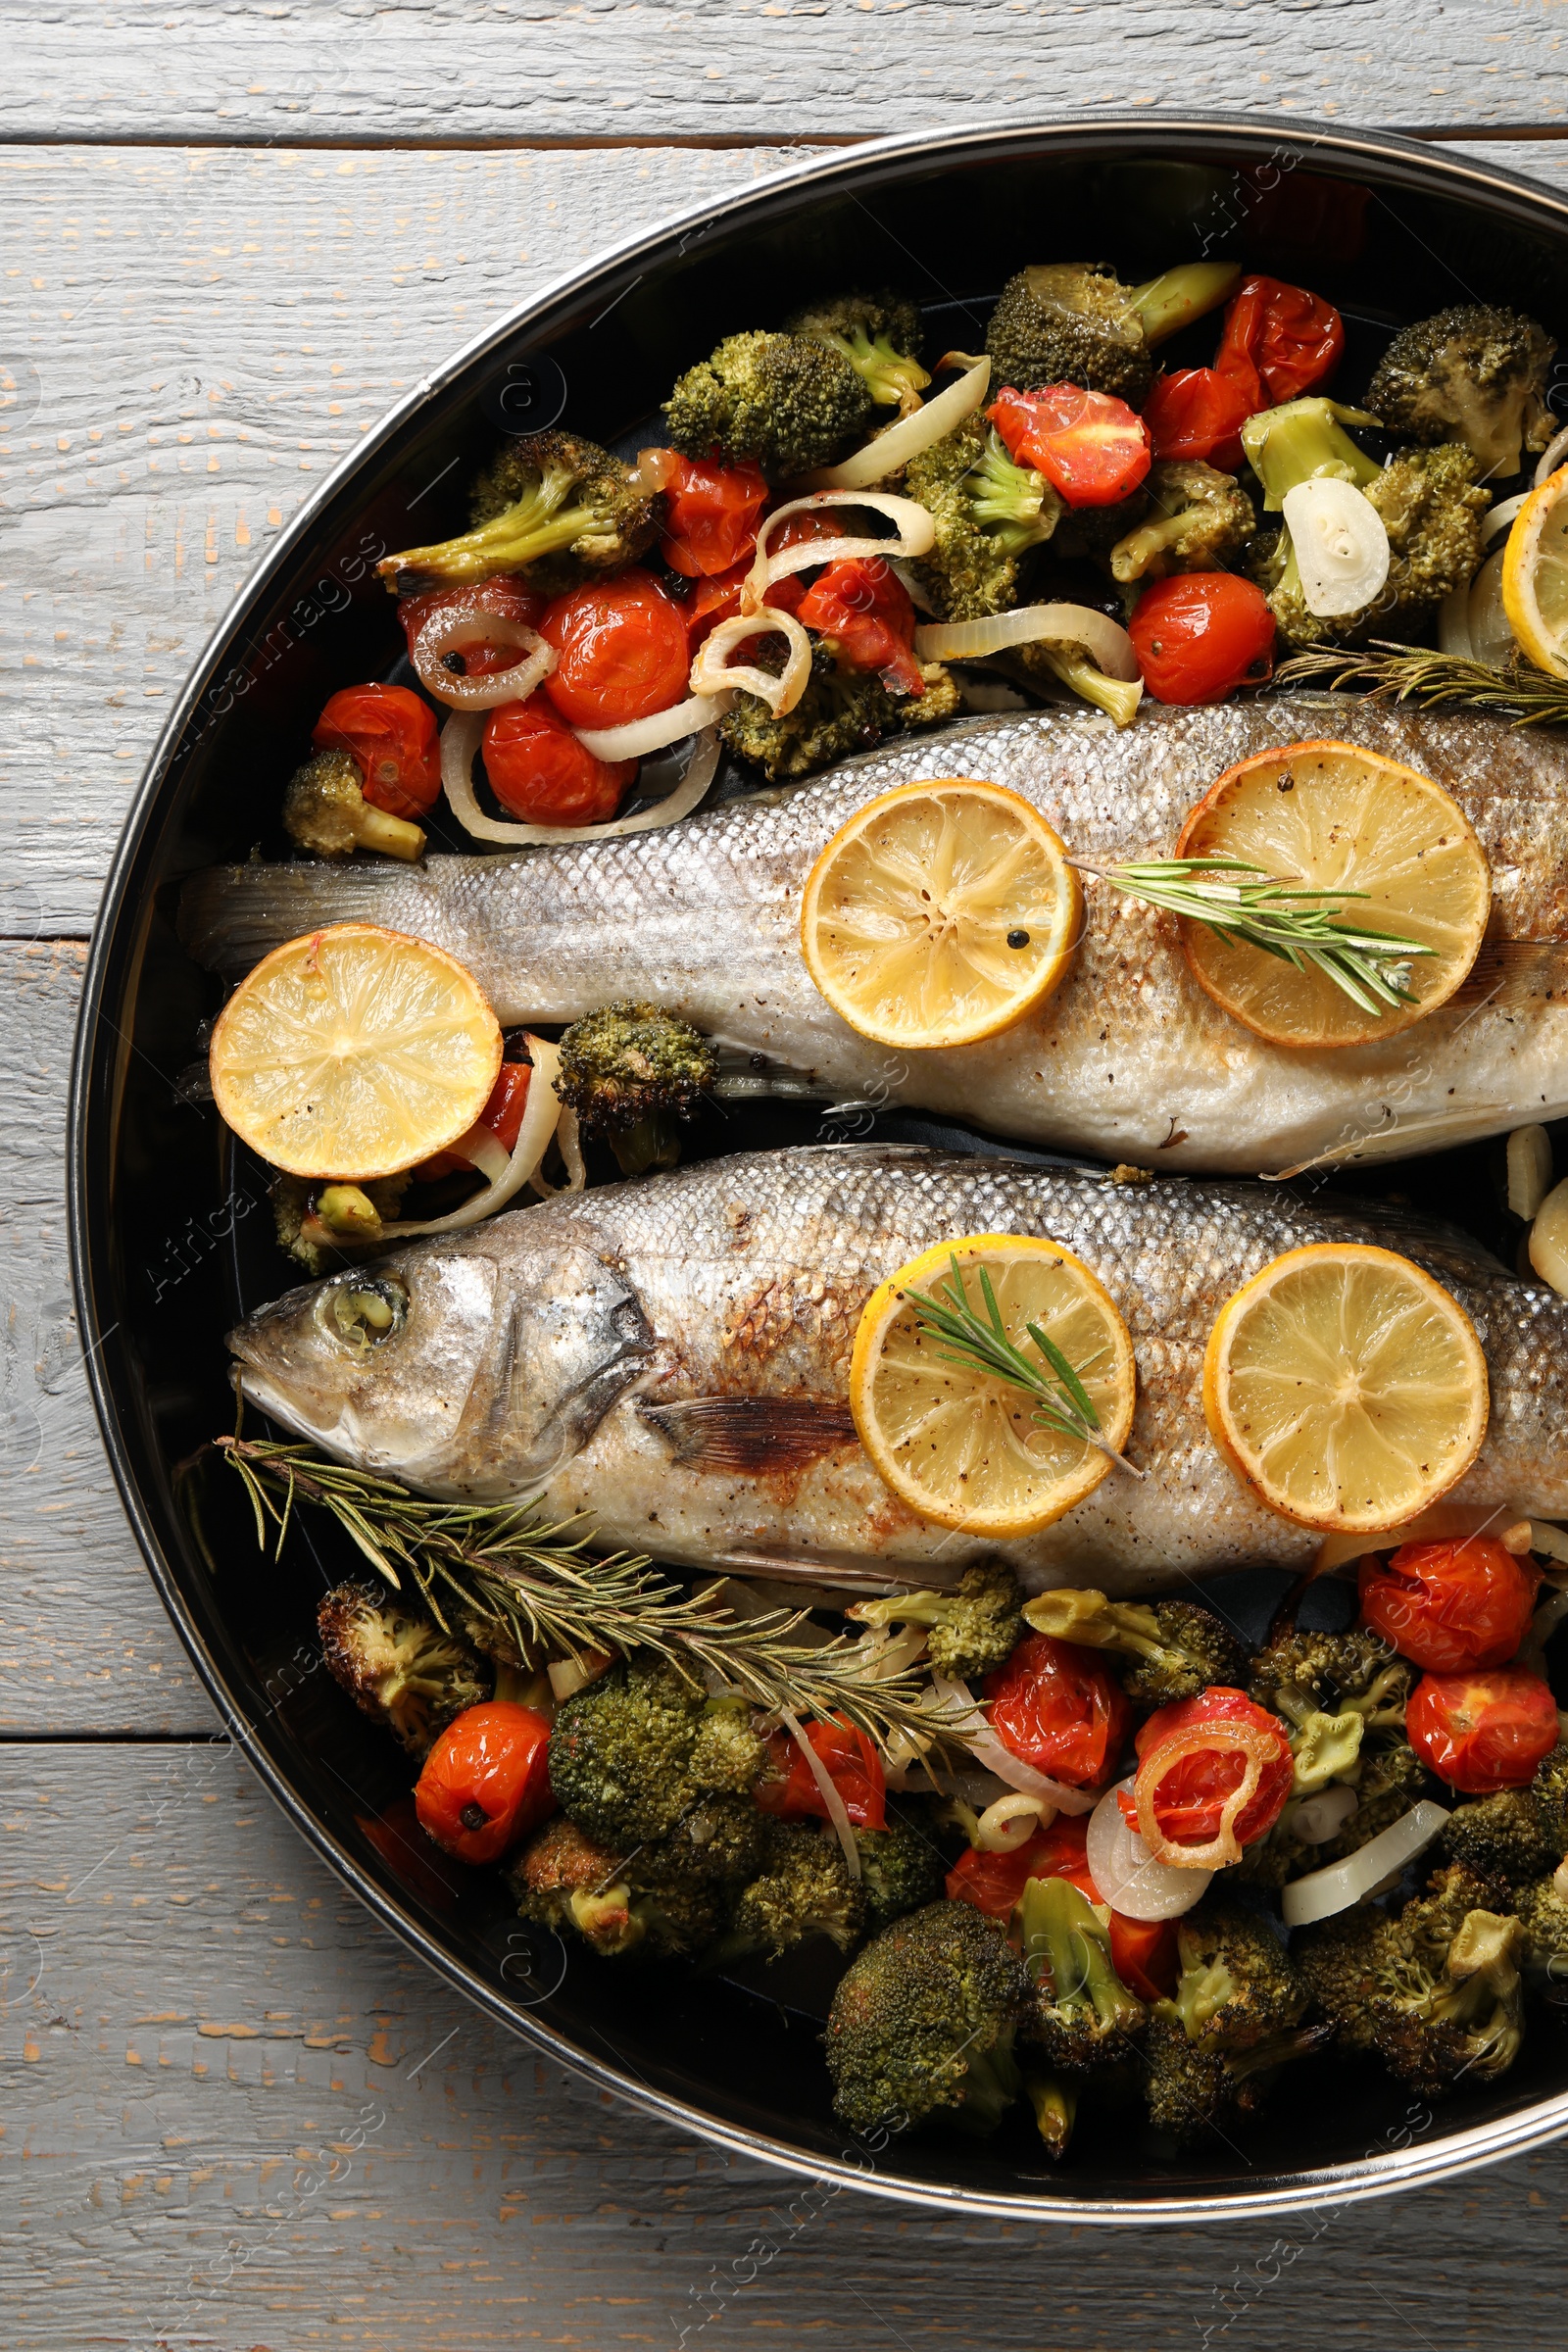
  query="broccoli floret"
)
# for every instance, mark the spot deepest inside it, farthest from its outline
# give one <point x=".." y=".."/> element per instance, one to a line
<point x="1447" y="1993"/>
<point x="1198" y="518"/>
<point x="551" y="506"/>
<point x="632" y="1073"/>
<point x="319" y="1225"/>
<point x="1550" y="1787"/>
<point x="988" y="513"/>
<point x="325" y="812"/>
<point x="879" y="334"/>
<point x="1238" y="1984"/>
<point x="841" y="712"/>
<point x="1192" y="2086"/>
<point x="1083" y="2012"/>
<point x="1333" y="1690"/>
<point x="1298" y="1672"/>
<point x="564" y="1880"/>
<point x="923" y="2023"/>
<point x="1473" y="374"/>
<point x="1337" y="1961"/>
<point x="631" y="1753"/>
<point x="801" y="1888"/>
<point x="789" y="401"/>
<point x="1543" y="1910"/>
<point x="1501" y="1836"/>
<point x="902" y="1870"/>
<point x="973" y="1628"/>
<point x="398" y="1666"/>
<point x="718" y="1841"/>
<point x="1074" y="323"/>
<point x="1175" y="1647"/>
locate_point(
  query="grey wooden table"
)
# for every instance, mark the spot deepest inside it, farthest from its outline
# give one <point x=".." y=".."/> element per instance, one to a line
<point x="234" y="2112"/>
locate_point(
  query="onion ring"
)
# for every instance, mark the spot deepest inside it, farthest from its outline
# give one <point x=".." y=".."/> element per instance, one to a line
<point x="1126" y="1874"/>
<point x="447" y="632"/>
<point x="460" y="740"/>
<point x="540" y="1116"/>
<point x="1010" y="1822"/>
<point x="1246" y="1739"/>
<point x="914" y="534"/>
<point x="932" y="422"/>
<point x="1107" y="645"/>
<point x="639" y="736"/>
<point x="711" y="677"/>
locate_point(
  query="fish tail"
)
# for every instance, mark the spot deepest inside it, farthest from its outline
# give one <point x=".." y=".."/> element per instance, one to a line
<point x="232" y="916"/>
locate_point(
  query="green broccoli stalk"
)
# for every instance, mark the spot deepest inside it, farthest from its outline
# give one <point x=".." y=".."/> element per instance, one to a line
<point x="398" y="1666"/>
<point x="923" y="2023"/>
<point x="633" y="1073"/>
<point x="1055" y="2100"/>
<point x="803" y="1888"/>
<point x="1083" y="2010"/>
<point x="1164" y="305"/>
<point x="639" y="1748"/>
<point x="1177" y="1648"/>
<point x="879" y="335"/>
<point x="789" y="401"/>
<point x="987" y="511"/>
<point x="1196" y="518"/>
<point x="1471" y="374"/>
<point x="1074" y="666"/>
<point x="1304" y="441"/>
<point x="973" y="1628"/>
<point x="325" y="812"/>
<point x="551" y="505"/>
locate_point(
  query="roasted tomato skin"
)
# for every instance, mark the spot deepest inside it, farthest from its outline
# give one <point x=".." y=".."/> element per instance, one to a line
<point x="1452" y="1606"/>
<point x="542" y="775"/>
<point x="1142" y="1951"/>
<point x="1189" y="1797"/>
<point x="1201" y="635"/>
<point x="1198" y="412"/>
<point x="1482" y="1731"/>
<point x="711" y="513"/>
<point x="491" y="1761"/>
<point x="392" y="734"/>
<point x="864" y="611"/>
<point x="502" y="1114"/>
<point x="1277" y="341"/>
<point x="1092" y="449"/>
<point x="1059" y="1706"/>
<point x="622" y="651"/>
<point x="852" y="1765"/>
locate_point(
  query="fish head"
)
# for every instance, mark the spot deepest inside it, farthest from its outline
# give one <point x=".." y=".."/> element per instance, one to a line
<point x="466" y="1367"/>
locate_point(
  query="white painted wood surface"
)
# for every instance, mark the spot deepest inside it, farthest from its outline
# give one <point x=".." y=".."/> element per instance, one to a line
<point x="220" y="2122"/>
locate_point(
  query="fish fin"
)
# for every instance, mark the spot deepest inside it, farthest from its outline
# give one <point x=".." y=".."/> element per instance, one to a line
<point x="1511" y="972"/>
<point x="230" y="916"/>
<point x="750" y="1433"/>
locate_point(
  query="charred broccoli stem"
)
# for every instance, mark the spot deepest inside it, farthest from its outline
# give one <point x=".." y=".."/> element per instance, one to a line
<point x="1297" y="1671"/>
<point x="973" y="1628"/>
<point x="1055" y="2100"/>
<point x="1472" y="373"/>
<point x="398" y="1667"/>
<point x="1197" y="519"/>
<point x="325" y="812"/>
<point x="1083" y="2012"/>
<point x="789" y="401"/>
<point x="987" y="511"/>
<point x="633" y="1073"/>
<point x="879" y="334"/>
<point x="551" y="506"/>
<point x="639" y="1747"/>
<point x="923" y="2023"/>
<point x="1175" y="1647"/>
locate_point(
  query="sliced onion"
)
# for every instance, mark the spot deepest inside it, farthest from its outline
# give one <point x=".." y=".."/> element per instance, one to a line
<point x="540" y="1113"/>
<point x="1128" y="1876"/>
<point x="1453" y="624"/>
<point x="1547" y="1240"/>
<point x="1530" y="1170"/>
<point x="1341" y="545"/>
<point x="1323" y="1892"/>
<point x="448" y="632"/>
<point x="1106" y="643"/>
<point x="913" y="535"/>
<point x="1011" y="1820"/>
<point x="1550" y="1542"/>
<point x="1492" y="640"/>
<point x="1552" y="457"/>
<point x="711" y="675"/>
<point x="982" y="1743"/>
<point x="1224" y="1848"/>
<point x="1501" y="516"/>
<point x="567" y="1135"/>
<point x="460" y="740"/>
<point x="932" y="422"/>
<point x="639" y="736"/>
<point x="837" y="1810"/>
<point x="1320" y="1816"/>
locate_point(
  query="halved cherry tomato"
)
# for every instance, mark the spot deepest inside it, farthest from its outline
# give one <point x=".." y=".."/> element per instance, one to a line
<point x="1191" y="1795"/>
<point x="502" y="1114"/>
<point x="1093" y="449"/>
<point x="1059" y="1706"/>
<point x="622" y="651"/>
<point x="1277" y="341"/>
<point x="853" y="1766"/>
<point x="486" y="1781"/>
<point x="1142" y="1951"/>
<point x="505" y="597"/>
<point x="1452" y="1606"/>
<point x="1201" y="635"/>
<point x="1198" y="412"/>
<point x="864" y="611"/>
<point x="711" y="514"/>
<point x="1483" y="1732"/>
<point x="540" y="773"/>
<point x="717" y="599"/>
<point x="392" y="734"/>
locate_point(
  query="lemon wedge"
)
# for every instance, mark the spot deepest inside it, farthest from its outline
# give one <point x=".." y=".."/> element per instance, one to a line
<point x="1534" y="575"/>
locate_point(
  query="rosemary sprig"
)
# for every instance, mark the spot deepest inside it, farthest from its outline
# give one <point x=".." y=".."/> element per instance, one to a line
<point x="1400" y="674"/>
<point x="1251" y="908"/>
<point x="976" y="1342"/>
<point x="540" y="1587"/>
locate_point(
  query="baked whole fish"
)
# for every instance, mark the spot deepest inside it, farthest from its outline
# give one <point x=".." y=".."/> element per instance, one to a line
<point x="670" y="1358"/>
<point x="1129" y="1061"/>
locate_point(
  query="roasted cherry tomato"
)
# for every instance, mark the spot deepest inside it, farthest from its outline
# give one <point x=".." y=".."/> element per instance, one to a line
<point x="1093" y="449"/>
<point x="486" y="1781"/>
<point x="851" y="1764"/>
<point x="711" y="514"/>
<point x="504" y="596"/>
<point x="717" y="599"/>
<point x="1060" y="1708"/>
<point x="1452" y="1606"/>
<point x="622" y="651"/>
<point x="1200" y="636"/>
<point x="502" y="1114"/>
<point x="1482" y="1732"/>
<point x="392" y="734"/>
<point x="1278" y="341"/>
<point x="864" y="610"/>
<point x="540" y="773"/>
<point x="1191" y="1795"/>
<point x="1198" y="412"/>
<point x="1142" y="1951"/>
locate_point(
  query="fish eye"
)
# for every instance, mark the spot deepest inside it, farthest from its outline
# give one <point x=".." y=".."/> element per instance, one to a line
<point x="365" y="1310"/>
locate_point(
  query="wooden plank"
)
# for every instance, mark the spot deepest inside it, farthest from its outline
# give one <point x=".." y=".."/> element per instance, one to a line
<point x="436" y="71"/>
<point x="238" y="2113"/>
